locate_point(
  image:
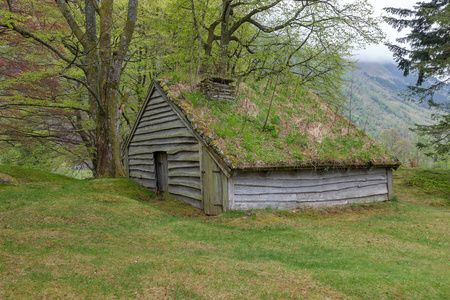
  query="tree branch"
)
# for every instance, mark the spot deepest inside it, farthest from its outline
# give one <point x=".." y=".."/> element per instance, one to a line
<point x="127" y="32"/>
<point x="7" y="105"/>
<point x="87" y="87"/>
<point x="255" y="11"/>
<point x="64" y="8"/>
<point x="96" y="6"/>
<point x="265" y="28"/>
<point x="27" y="34"/>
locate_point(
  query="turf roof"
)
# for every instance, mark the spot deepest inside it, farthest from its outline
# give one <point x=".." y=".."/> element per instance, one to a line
<point x="302" y="131"/>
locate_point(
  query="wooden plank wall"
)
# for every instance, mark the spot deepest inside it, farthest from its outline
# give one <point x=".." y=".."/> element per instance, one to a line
<point x="160" y="129"/>
<point x="293" y="189"/>
<point x="215" y="186"/>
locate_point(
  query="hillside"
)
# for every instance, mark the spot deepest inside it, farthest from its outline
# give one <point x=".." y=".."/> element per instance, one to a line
<point x="109" y="239"/>
<point x="377" y="103"/>
<point x="283" y="127"/>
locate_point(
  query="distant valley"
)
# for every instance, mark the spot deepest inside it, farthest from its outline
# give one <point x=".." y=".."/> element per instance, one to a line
<point x="375" y="103"/>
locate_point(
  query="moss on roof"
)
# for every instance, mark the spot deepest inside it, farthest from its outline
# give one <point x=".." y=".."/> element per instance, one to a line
<point x="301" y="131"/>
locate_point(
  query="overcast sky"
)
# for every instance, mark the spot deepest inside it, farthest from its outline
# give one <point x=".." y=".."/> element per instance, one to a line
<point x="381" y="53"/>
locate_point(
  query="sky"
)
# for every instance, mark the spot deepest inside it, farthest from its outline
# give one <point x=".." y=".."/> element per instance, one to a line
<point x="380" y="53"/>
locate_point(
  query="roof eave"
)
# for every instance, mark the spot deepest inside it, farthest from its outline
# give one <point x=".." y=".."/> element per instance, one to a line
<point x="394" y="166"/>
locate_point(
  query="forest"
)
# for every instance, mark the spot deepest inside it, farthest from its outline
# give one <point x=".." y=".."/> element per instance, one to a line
<point x="74" y="73"/>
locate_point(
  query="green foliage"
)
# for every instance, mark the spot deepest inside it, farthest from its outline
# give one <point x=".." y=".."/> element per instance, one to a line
<point x="428" y="55"/>
<point x="316" y="58"/>
<point x="436" y="138"/>
<point x="64" y="89"/>
<point x="44" y="156"/>
<point x="168" y="42"/>
<point x="35" y="158"/>
<point x="276" y="120"/>
<point x="196" y="98"/>
<point x="272" y="128"/>
<point x="173" y="80"/>
<point x="298" y="156"/>
<point x="38" y="156"/>
<point x="396" y="145"/>
<point x="297" y="138"/>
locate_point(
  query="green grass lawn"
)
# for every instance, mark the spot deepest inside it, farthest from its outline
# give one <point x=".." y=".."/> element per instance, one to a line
<point x="107" y="238"/>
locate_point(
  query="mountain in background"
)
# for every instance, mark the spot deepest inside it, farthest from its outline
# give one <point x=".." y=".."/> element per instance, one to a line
<point x="375" y="103"/>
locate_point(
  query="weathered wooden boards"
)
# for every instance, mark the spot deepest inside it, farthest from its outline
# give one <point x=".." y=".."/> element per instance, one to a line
<point x="218" y="89"/>
<point x="164" y="154"/>
<point x="160" y="133"/>
<point x="292" y="189"/>
<point x="215" y="186"/>
<point x="161" y="171"/>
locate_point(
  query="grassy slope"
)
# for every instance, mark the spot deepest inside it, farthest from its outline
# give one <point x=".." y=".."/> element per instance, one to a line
<point x="62" y="237"/>
<point x="301" y="129"/>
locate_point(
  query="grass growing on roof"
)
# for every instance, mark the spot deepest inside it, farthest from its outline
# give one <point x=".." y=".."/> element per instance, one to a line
<point x="301" y="130"/>
<point x="107" y="238"/>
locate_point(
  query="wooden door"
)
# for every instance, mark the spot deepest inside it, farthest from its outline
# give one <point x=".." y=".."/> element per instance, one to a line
<point x="161" y="171"/>
<point x="214" y="186"/>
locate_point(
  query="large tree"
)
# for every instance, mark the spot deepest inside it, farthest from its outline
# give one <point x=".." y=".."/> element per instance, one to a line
<point x="302" y="31"/>
<point x="426" y="53"/>
<point x="96" y="43"/>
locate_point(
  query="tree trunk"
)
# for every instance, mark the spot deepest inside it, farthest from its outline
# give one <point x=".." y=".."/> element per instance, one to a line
<point x="225" y="38"/>
<point x="108" y="148"/>
<point x="103" y="75"/>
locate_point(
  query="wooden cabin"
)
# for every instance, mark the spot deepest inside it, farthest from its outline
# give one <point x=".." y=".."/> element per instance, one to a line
<point x="166" y="152"/>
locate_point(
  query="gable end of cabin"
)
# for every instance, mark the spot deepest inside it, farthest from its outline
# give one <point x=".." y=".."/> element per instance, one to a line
<point x="165" y="155"/>
<point x="162" y="154"/>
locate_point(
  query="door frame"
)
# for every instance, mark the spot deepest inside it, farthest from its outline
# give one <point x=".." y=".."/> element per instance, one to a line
<point x="161" y="171"/>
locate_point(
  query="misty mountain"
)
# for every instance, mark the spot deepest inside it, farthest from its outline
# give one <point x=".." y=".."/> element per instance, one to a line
<point x="375" y="101"/>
